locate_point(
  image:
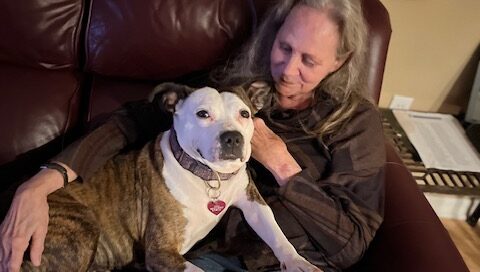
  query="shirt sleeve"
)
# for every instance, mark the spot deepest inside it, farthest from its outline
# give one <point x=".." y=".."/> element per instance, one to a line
<point x="130" y="127"/>
<point x="341" y="211"/>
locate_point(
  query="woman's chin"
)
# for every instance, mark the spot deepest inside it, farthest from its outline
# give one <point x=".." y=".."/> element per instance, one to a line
<point x="290" y="96"/>
<point x="293" y="102"/>
<point x="286" y="90"/>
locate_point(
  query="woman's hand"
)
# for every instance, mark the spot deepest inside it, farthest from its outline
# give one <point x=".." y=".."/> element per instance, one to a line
<point x="269" y="149"/>
<point x="27" y="219"/>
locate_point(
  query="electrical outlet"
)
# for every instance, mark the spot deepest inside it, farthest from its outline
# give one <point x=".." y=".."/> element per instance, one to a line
<point x="401" y="102"/>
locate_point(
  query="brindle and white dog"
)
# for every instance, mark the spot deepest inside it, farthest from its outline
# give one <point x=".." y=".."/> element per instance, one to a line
<point x="167" y="196"/>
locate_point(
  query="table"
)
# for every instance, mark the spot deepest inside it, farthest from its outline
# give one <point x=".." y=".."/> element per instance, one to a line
<point x="430" y="179"/>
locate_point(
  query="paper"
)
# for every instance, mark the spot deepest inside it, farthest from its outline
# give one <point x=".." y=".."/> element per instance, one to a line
<point x="440" y="140"/>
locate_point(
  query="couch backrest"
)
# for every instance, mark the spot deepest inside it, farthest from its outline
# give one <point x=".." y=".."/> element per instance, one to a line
<point x="64" y="62"/>
<point x="163" y="40"/>
<point x="379" y="34"/>
<point x="131" y="47"/>
<point x="42" y="34"/>
<point x="39" y="80"/>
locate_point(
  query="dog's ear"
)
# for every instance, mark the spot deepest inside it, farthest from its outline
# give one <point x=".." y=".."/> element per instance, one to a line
<point x="258" y="93"/>
<point x="166" y="95"/>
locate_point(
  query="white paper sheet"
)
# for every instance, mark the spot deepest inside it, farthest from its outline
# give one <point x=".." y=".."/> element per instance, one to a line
<point x="440" y="140"/>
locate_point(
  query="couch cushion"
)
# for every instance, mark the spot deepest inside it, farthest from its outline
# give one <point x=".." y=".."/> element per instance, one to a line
<point x="40" y="33"/>
<point x="164" y="39"/>
<point x="36" y="106"/>
<point x="411" y="238"/>
<point x="108" y="95"/>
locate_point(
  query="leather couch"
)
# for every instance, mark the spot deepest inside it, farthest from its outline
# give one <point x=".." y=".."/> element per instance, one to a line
<point x="66" y="62"/>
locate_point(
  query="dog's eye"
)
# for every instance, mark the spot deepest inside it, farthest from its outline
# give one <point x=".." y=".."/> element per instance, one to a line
<point x="203" y="114"/>
<point x="245" y="114"/>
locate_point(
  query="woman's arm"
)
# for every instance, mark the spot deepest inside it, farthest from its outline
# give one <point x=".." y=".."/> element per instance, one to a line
<point x="132" y="126"/>
<point x="340" y="214"/>
<point x="342" y="210"/>
<point x="270" y="150"/>
<point x="339" y="211"/>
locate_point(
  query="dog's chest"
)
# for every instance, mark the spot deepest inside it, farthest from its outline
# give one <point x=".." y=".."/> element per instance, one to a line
<point x="191" y="192"/>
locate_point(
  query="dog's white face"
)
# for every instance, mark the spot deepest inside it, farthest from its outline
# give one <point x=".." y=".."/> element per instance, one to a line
<point x="215" y="129"/>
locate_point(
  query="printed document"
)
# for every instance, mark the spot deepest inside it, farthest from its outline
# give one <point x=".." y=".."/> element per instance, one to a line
<point x="440" y="140"/>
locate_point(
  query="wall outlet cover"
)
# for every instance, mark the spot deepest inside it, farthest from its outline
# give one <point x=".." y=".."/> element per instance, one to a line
<point x="400" y="102"/>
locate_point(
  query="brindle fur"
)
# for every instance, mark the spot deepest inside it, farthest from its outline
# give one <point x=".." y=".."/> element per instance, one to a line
<point x="252" y="191"/>
<point x="96" y="224"/>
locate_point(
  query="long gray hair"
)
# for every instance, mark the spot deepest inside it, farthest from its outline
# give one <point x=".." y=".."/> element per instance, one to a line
<point x="346" y="85"/>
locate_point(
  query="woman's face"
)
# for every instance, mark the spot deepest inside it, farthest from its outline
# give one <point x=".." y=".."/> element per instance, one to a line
<point x="303" y="54"/>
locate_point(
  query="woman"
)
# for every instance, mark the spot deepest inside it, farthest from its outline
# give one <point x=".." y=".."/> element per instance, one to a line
<point x="323" y="171"/>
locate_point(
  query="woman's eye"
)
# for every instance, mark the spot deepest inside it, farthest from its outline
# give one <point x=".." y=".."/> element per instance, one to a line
<point x="245" y="114"/>
<point x="285" y="48"/>
<point x="308" y="62"/>
<point x="203" y="114"/>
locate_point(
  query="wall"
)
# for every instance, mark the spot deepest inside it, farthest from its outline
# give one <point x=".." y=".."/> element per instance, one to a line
<point x="433" y="53"/>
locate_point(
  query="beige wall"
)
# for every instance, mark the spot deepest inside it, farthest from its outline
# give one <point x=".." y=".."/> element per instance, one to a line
<point x="433" y="53"/>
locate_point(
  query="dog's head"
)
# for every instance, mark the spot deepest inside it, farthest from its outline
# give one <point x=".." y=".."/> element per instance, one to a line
<point x="212" y="127"/>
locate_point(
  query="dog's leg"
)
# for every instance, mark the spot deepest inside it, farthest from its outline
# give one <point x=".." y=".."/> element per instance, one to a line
<point x="71" y="239"/>
<point x="160" y="258"/>
<point x="260" y="217"/>
<point x="162" y="244"/>
<point x="189" y="267"/>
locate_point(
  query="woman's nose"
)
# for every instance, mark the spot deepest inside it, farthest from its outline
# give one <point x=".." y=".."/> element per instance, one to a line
<point x="291" y="67"/>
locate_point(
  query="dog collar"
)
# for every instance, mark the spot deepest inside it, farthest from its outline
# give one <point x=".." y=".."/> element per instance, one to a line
<point x="197" y="168"/>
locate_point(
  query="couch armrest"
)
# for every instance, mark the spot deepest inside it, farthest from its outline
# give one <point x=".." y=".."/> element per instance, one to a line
<point x="411" y="238"/>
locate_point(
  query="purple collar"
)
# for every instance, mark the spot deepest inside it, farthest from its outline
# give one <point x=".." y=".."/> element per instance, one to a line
<point x="197" y="168"/>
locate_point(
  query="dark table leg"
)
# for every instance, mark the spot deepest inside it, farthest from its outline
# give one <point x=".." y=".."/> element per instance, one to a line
<point x="473" y="218"/>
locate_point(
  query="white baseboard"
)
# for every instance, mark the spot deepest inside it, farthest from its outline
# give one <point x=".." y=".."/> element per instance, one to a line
<point x="452" y="206"/>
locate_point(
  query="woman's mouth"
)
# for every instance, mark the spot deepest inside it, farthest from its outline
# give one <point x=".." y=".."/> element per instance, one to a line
<point x="286" y="82"/>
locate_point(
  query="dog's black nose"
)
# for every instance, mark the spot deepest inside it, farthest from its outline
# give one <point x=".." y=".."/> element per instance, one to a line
<point x="231" y="138"/>
<point x="232" y="145"/>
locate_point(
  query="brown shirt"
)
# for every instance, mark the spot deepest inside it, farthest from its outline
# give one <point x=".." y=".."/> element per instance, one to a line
<point x="330" y="211"/>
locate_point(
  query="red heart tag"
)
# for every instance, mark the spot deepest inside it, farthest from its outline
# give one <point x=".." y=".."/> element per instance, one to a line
<point x="216" y="207"/>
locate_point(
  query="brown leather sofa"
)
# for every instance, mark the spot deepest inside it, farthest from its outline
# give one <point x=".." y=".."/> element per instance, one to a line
<point x="66" y="62"/>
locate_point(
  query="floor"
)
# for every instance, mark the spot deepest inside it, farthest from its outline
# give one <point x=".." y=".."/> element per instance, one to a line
<point x="467" y="240"/>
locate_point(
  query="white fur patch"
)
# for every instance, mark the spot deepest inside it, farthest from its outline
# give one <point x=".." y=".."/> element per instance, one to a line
<point x="190" y="191"/>
<point x="200" y="140"/>
<point x="199" y="137"/>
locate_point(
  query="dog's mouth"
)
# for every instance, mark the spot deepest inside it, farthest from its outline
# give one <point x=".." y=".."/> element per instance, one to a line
<point x="227" y="156"/>
<point x="231" y="155"/>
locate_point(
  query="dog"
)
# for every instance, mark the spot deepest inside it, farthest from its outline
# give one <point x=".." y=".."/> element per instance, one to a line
<point x="168" y="195"/>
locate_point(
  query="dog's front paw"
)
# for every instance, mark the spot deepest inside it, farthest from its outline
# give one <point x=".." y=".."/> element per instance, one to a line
<point x="298" y="263"/>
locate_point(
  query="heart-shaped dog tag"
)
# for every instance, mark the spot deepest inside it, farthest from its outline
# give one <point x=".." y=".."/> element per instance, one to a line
<point x="216" y="206"/>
